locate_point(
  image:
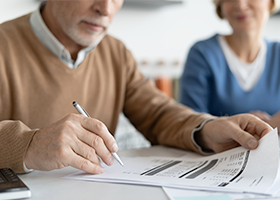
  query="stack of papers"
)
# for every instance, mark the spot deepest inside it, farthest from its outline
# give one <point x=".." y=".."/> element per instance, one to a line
<point x="238" y="170"/>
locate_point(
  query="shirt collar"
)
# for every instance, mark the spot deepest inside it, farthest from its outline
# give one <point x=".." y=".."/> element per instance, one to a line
<point x="51" y="42"/>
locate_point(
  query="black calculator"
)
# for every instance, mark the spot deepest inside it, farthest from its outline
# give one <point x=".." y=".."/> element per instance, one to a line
<point x="11" y="187"/>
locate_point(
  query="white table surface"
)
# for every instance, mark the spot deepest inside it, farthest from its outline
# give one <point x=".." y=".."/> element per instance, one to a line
<point x="51" y="186"/>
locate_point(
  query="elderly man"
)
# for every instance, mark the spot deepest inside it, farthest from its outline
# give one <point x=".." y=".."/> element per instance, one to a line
<point x="61" y="53"/>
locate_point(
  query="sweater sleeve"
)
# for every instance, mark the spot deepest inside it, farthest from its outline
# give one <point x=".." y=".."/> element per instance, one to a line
<point x="195" y="81"/>
<point x="160" y="119"/>
<point x="15" y="138"/>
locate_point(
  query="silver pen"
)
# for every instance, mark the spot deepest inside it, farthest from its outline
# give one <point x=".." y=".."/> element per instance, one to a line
<point x="83" y="112"/>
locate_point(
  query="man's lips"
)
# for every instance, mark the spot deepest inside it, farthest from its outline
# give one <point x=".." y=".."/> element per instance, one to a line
<point x="93" y="26"/>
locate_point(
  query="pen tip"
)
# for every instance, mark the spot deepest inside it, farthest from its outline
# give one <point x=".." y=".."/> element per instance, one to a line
<point x="74" y="103"/>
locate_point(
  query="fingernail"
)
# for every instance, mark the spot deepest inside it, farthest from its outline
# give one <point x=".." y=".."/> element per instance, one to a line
<point x="115" y="148"/>
<point x="252" y="143"/>
<point x="102" y="170"/>
<point x="111" y="161"/>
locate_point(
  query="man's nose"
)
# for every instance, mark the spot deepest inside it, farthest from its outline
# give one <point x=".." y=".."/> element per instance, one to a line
<point x="103" y="7"/>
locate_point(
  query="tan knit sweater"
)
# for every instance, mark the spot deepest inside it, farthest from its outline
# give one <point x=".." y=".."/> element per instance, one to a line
<point x="37" y="89"/>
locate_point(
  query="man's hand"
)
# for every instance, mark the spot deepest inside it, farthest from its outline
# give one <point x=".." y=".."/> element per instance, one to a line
<point x="273" y="120"/>
<point x="75" y="141"/>
<point x="228" y="132"/>
<point x="262" y="115"/>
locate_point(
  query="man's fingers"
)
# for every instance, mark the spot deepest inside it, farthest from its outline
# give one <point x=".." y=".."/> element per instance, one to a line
<point x="254" y="125"/>
<point x="244" y="138"/>
<point x="96" y="143"/>
<point x="85" y="151"/>
<point x="97" y="127"/>
<point x="262" y="115"/>
<point x="247" y="140"/>
<point x="251" y="130"/>
<point x="227" y="132"/>
<point x="85" y="165"/>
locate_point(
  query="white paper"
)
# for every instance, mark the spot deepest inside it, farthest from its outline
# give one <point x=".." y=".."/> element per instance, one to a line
<point x="181" y="194"/>
<point x="235" y="170"/>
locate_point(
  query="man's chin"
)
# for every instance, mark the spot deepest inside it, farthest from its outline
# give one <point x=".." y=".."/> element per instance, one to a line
<point x="92" y="42"/>
<point x="97" y="40"/>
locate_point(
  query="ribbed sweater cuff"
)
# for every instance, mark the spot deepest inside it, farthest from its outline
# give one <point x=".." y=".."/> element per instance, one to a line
<point x="15" y="138"/>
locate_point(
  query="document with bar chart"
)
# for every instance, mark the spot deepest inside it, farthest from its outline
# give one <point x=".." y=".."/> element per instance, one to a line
<point x="235" y="170"/>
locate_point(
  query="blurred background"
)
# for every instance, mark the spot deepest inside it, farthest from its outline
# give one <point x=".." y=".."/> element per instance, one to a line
<point x="159" y="33"/>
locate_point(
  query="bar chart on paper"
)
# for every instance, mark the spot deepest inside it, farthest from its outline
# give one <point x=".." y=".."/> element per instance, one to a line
<point x="236" y="170"/>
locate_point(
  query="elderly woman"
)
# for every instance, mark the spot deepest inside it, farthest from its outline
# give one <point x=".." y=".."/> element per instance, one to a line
<point x="236" y="73"/>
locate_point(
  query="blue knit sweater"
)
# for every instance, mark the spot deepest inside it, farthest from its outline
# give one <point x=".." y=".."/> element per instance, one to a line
<point x="208" y="85"/>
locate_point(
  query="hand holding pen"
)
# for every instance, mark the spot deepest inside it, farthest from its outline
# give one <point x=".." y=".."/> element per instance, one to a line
<point x="83" y="112"/>
<point x="74" y="140"/>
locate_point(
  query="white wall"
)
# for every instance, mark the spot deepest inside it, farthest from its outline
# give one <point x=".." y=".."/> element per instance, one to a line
<point x="10" y="9"/>
<point x="165" y="32"/>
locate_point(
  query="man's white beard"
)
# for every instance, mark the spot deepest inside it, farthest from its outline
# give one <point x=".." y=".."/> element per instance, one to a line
<point x="81" y="41"/>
